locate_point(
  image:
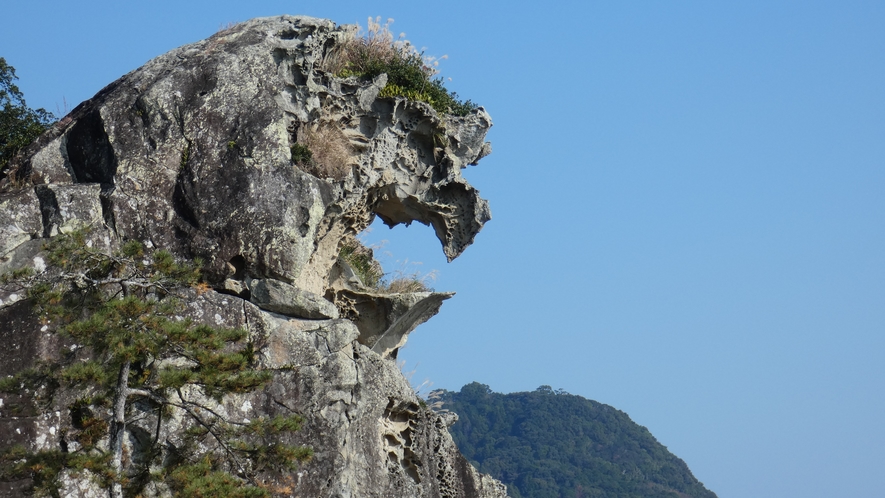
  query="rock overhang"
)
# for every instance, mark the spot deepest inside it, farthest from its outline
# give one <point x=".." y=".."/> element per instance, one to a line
<point x="192" y="152"/>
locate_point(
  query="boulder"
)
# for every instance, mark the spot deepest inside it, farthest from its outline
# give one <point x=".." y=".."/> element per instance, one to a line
<point x="280" y="297"/>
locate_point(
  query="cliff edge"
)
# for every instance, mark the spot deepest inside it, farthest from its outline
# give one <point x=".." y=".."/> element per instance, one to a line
<point x="200" y="152"/>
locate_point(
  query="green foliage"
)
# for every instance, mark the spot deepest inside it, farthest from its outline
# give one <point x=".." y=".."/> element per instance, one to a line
<point x="361" y="259"/>
<point x="548" y="443"/>
<point x="265" y="454"/>
<point x="83" y="373"/>
<point x="28" y="379"/>
<point x="43" y="468"/>
<point x="123" y="308"/>
<point x="433" y="92"/>
<point x="18" y="274"/>
<point x="276" y="425"/>
<point x="409" y="73"/>
<point x="37" y="384"/>
<point x="92" y="430"/>
<point x="203" y="480"/>
<point x="19" y="124"/>
<point x="301" y="154"/>
<point x="363" y="263"/>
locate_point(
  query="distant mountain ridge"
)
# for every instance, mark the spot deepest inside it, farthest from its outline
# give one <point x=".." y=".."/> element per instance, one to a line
<point x="551" y="444"/>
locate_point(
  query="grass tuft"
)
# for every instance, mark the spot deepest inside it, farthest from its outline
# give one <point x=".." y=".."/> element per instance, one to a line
<point x="361" y="259"/>
<point x="410" y="73"/>
<point x="323" y="151"/>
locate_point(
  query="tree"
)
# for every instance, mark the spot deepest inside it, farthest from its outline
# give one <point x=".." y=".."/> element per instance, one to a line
<point x="122" y="308"/>
<point x="19" y="124"/>
<point x="551" y="443"/>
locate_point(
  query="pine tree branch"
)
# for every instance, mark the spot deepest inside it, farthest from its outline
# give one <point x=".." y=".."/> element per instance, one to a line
<point x="218" y="438"/>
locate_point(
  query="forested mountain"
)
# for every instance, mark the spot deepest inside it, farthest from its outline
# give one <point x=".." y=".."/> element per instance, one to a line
<point x="551" y="444"/>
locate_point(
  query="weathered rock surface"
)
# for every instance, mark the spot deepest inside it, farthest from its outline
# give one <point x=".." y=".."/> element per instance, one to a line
<point x="191" y="153"/>
<point x="385" y="321"/>
<point x="273" y="295"/>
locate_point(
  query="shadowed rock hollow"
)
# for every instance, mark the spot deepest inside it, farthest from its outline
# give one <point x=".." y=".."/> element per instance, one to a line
<point x="193" y="152"/>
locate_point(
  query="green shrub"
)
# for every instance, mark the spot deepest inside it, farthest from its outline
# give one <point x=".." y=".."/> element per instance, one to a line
<point x="301" y="154"/>
<point x="410" y="73"/>
<point x="360" y="259"/>
<point x="19" y="124"/>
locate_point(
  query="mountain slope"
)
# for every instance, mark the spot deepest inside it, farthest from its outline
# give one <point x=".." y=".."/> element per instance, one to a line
<point x="550" y="444"/>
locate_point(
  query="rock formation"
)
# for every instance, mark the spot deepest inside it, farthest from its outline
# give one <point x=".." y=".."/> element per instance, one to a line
<point x="193" y="153"/>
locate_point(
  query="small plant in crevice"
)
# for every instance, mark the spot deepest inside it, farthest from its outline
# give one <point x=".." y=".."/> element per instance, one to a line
<point x="410" y="73"/>
<point x="361" y="259"/>
<point x="227" y="26"/>
<point x="301" y="154"/>
<point x="185" y="156"/>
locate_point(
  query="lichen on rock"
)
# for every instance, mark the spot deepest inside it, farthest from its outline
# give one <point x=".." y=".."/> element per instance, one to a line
<point x="193" y="153"/>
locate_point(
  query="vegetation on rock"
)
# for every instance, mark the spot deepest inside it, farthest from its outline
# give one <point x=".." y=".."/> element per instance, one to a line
<point x="19" y="124"/>
<point x="322" y="150"/>
<point x="361" y="260"/>
<point x="409" y="73"/>
<point x="129" y="356"/>
<point x="92" y="312"/>
<point x="550" y="444"/>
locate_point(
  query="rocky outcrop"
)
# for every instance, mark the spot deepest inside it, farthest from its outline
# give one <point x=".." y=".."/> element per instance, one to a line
<point x="273" y="295"/>
<point x="385" y="321"/>
<point x="192" y="153"/>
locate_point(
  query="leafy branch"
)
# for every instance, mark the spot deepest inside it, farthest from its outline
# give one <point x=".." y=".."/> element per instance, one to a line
<point x="19" y="124"/>
<point x="123" y="308"/>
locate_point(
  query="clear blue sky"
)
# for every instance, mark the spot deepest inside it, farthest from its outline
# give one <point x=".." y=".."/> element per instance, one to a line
<point x="688" y="203"/>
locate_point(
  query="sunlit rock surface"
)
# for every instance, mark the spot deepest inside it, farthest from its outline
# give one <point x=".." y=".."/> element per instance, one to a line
<point x="191" y="153"/>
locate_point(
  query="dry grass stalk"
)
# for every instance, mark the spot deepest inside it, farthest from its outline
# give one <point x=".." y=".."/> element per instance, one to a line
<point x="361" y="259"/>
<point x="377" y="45"/>
<point x="331" y="151"/>
<point x="412" y="282"/>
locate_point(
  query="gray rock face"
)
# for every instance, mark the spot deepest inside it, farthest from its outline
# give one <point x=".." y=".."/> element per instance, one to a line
<point x="191" y="153"/>
<point x="273" y="295"/>
<point x="385" y="321"/>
